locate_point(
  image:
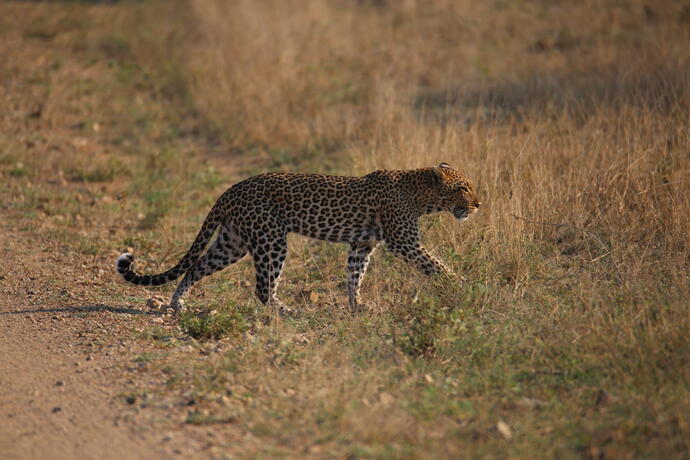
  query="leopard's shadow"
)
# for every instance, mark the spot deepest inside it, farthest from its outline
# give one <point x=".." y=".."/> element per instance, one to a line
<point x="84" y="309"/>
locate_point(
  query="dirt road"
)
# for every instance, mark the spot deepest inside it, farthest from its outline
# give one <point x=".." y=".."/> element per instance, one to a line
<point x="74" y="378"/>
<point x="64" y="364"/>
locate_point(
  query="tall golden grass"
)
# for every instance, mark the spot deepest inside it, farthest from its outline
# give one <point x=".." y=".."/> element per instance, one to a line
<point x="571" y="117"/>
<point x="572" y="114"/>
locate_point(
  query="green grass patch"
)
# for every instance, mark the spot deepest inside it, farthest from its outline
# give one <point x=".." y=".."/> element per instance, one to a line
<point x="215" y="323"/>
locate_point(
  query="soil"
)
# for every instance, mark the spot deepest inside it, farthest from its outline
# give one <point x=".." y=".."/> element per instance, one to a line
<point x="75" y="381"/>
<point x="62" y="367"/>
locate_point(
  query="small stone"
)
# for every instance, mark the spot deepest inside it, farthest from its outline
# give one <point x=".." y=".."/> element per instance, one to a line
<point x="56" y="409"/>
<point x="79" y="142"/>
<point x="428" y="378"/>
<point x="155" y="303"/>
<point x="158" y="320"/>
<point x="386" y="398"/>
<point x="504" y="429"/>
<point x="59" y="383"/>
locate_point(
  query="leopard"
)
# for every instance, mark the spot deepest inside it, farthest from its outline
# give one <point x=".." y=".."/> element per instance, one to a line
<point x="256" y="215"/>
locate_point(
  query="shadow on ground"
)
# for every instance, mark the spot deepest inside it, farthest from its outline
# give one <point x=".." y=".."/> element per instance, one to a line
<point x="84" y="309"/>
<point x="577" y="94"/>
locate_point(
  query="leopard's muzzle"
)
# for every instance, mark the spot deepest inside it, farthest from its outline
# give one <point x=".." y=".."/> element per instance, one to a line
<point x="461" y="213"/>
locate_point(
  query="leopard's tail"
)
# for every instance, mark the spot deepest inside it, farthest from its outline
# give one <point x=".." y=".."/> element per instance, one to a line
<point x="124" y="262"/>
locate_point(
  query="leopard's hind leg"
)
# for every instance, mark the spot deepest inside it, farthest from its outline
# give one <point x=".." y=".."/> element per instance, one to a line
<point x="228" y="248"/>
<point x="269" y="257"/>
<point x="357" y="261"/>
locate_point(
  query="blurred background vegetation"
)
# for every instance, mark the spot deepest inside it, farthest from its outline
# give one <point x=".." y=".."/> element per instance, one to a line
<point x="123" y="121"/>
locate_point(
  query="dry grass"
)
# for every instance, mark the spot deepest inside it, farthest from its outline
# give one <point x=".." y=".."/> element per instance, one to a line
<point x="572" y="119"/>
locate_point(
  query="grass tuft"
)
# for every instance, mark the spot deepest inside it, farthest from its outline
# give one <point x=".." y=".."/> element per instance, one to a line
<point x="215" y="323"/>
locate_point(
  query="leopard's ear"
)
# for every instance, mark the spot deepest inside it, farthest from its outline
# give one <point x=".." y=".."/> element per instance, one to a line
<point x="438" y="174"/>
<point x="437" y="170"/>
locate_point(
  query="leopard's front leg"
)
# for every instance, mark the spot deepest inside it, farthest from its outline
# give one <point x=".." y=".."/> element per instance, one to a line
<point x="403" y="240"/>
<point x="415" y="254"/>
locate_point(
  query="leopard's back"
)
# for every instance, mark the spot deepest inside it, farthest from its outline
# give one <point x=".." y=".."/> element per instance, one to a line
<point x="331" y="208"/>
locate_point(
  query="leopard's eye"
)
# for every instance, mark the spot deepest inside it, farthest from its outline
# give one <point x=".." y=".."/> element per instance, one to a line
<point x="464" y="189"/>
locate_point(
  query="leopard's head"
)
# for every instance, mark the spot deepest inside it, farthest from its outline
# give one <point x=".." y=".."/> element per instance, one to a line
<point x="457" y="192"/>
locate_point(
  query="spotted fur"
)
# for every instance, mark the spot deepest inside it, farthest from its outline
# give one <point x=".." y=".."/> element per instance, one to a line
<point x="255" y="216"/>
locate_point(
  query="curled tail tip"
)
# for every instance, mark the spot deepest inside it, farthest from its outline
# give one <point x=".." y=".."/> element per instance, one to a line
<point x="124" y="268"/>
<point x="124" y="262"/>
